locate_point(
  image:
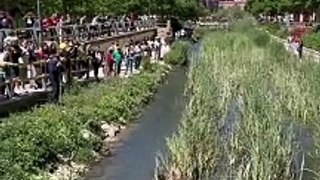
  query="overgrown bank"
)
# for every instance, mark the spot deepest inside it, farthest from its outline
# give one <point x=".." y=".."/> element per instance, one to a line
<point x="36" y="142"/>
<point x="247" y="94"/>
<point x="311" y="39"/>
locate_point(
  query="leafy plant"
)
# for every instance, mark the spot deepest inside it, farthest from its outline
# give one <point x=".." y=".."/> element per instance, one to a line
<point x="178" y="55"/>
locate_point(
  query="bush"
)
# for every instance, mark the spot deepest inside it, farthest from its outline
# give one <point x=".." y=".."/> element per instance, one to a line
<point x="260" y="38"/>
<point x="312" y="40"/>
<point x="32" y="141"/>
<point x="276" y="29"/>
<point x="178" y="53"/>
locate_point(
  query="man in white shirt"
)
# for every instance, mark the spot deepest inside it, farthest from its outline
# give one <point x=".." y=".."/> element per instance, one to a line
<point x="82" y="19"/>
<point x="3" y="55"/>
<point x="138" y="56"/>
<point x="157" y="47"/>
<point x="95" y="20"/>
<point x="183" y="33"/>
<point x="162" y="48"/>
<point x="11" y="38"/>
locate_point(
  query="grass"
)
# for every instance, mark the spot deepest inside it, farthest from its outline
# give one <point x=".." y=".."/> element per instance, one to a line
<point x="273" y="92"/>
<point x="276" y="29"/>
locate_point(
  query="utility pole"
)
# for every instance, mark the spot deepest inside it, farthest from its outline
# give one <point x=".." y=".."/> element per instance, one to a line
<point x="39" y="23"/>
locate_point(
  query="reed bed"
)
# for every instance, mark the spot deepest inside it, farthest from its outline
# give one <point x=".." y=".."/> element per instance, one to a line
<point x="247" y="96"/>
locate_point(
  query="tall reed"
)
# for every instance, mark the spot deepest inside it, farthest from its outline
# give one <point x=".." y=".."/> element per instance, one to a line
<point x="273" y="92"/>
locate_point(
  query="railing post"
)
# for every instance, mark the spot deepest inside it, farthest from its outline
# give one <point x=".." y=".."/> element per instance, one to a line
<point x="45" y="73"/>
<point x="88" y="67"/>
<point x="69" y="72"/>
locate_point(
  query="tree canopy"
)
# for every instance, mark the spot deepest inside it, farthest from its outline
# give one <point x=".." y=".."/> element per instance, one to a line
<point x="182" y="8"/>
<point x="281" y="6"/>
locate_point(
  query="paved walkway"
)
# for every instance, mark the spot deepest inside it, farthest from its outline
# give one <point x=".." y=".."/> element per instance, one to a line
<point x="308" y="53"/>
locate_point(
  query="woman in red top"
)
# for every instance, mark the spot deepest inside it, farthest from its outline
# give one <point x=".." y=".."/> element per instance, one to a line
<point x="43" y="52"/>
<point x="110" y="62"/>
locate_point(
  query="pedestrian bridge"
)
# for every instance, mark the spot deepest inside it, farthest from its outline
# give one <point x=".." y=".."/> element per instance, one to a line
<point x="101" y="41"/>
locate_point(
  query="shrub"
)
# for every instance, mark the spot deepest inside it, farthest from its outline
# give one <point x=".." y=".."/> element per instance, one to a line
<point x="276" y="29"/>
<point x="32" y="141"/>
<point x="260" y="38"/>
<point x="312" y="40"/>
<point x="178" y="53"/>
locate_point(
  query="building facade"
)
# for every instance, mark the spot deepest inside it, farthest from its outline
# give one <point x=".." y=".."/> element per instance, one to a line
<point x="214" y="4"/>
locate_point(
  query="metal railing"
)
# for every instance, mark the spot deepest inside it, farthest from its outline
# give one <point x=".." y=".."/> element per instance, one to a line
<point x="30" y="73"/>
<point x="80" y="66"/>
<point x="82" y="32"/>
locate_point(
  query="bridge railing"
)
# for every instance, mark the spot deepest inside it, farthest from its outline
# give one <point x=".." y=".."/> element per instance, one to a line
<point x="82" y="32"/>
<point x="29" y="72"/>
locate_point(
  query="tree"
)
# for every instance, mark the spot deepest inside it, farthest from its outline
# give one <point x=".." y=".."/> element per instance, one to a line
<point x="281" y="6"/>
<point x="180" y="8"/>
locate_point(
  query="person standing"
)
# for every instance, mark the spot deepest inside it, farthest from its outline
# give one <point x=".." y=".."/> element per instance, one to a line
<point x="29" y="19"/>
<point x="109" y="62"/>
<point x="4" y="91"/>
<point x="157" y="47"/>
<point x="138" y="55"/>
<point x="118" y="56"/>
<point x="300" y="49"/>
<point x="95" y="61"/>
<point x="130" y="58"/>
<point x="54" y="70"/>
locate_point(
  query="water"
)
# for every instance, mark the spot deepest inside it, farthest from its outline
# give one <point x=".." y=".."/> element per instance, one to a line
<point x="303" y="160"/>
<point x="135" y="158"/>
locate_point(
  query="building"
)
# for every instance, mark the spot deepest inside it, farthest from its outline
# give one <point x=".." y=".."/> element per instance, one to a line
<point x="232" y="3"/>
<point x="213" y="4"/>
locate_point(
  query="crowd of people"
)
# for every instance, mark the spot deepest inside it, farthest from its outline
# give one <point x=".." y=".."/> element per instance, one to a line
<point x="58" y="59"/>
<point x="31" y="19"/>
<point x="24" y="59"/>
<point x="84" y="28"/>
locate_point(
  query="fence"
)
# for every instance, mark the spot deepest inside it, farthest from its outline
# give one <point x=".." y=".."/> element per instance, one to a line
<point x="82" y="32"/>
<point x="77" y="66"/>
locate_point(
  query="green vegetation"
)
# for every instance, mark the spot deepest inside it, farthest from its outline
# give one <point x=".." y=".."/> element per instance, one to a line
<point x="181" y="48"/>
<point x="272" y="7"/>
<point x="33" y="142"/>
<point x="312" y="40"/>
<point x="181" y="8"/>
<point x="276" y="29"/>
<point x="245" y="98"/>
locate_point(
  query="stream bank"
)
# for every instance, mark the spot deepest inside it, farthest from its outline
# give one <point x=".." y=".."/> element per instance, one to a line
<point x="134" y="155"/>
